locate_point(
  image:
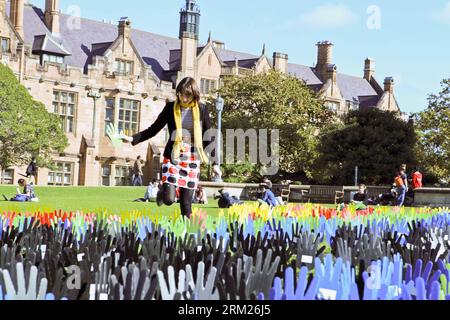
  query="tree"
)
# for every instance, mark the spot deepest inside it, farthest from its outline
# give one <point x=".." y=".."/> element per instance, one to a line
<point x="26" y="127"/>
<point x="269" y="101"/>
<point x="433" y="129"/>
<point x="376" y="141"/>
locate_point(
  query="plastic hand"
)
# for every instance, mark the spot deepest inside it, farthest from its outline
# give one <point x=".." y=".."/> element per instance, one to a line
<point x="117" y="138"/>
<point x="261" y="280"/>
<point x="169" y="292"/>
<point x="348" y="289"/>
<point x="307" y="249"/>
<point x="202" y="290"/>
<point x="329" y="276"/>
<point x="25" y="286"/>
<point x="298" y="293"/>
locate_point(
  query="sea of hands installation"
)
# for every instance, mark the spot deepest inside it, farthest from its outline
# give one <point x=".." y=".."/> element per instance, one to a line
<point x="377" y="260"/>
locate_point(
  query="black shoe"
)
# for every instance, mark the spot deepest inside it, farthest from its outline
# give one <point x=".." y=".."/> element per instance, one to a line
<point x="4" y="197"/>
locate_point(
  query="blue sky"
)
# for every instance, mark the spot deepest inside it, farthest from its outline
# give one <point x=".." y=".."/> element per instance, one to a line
<point x="410" y="41"/>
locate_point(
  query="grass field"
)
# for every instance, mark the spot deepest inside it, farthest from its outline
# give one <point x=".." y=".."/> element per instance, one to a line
<point x="115" y="200"/>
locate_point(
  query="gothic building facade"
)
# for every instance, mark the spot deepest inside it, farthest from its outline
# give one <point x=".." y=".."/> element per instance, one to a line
<point x="94" y="73"/>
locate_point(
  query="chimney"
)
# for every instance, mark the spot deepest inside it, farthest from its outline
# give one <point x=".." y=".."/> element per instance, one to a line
<point x="389" y="85"/>
<point x="16" y="15"/>
<point x="51" y="16"/>
<point x="324" y="57"/>
<point x="280" y="62"/>
<point x="125" y="27"/>
<point x="189" y="42"/>
<point x="331" y="73"/>
<point x="369" y="69"/>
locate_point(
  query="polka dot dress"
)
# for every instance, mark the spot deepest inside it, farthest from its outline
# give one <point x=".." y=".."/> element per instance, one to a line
<point x="186" y="173"/>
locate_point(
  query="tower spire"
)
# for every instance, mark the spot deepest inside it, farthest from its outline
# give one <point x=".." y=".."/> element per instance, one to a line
<point x="190" y="19"/>
<point x="263" y="53"/>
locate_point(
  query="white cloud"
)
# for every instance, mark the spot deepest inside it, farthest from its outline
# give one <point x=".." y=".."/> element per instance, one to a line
<point x="329" y="15"/>
<point x="444" y="15"/>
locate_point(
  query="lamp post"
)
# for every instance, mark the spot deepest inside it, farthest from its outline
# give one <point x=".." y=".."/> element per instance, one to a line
<point x="219" y="108"/>
<point x="95" y="95"/>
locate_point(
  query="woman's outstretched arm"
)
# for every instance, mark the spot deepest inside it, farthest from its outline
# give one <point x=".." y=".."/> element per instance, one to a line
<point x="153" y="130"/>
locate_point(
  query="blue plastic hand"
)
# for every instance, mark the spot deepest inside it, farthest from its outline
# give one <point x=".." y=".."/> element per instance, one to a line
<point x="292" y="293"/>
<point x="328" y="277"/>
<point x="348" y="289"/>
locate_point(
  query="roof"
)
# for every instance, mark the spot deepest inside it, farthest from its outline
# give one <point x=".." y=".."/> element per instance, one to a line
<point x="162" y="53"/>
<point x="353" y="87"/>
<point x="50" y="44"/>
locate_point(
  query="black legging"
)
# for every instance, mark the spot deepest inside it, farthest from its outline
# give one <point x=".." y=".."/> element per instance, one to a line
<point x="186" y="195"/>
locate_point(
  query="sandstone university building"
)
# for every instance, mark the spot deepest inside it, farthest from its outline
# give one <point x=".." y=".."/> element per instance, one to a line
<point x="62" y="60"/>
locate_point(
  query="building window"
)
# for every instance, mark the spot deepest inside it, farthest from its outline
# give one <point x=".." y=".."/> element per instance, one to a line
<point x="109" y="112"/>
<point x="7" y="176"/>
<point x="106" y="174"/>
<point x="62" y="176"/>
<point x="122" y="176"/>
<point x="333" y="106"/>
<point x="6" y="45"/>
<point x="64" y="104"/>
<point x="52" y="58"/>
<point x="124" y="67"/>
<point x="128" y="116"/>
<point x="210" y="60"/>
<point x="207" y="86"/>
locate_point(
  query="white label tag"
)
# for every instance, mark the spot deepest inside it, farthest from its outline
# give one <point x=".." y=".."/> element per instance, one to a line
<point x="183" y="256"/>
<point x="103" y="296"/>
<point x="43" y="250"/>
<point x="327" y="294"/>
<point x="395" y="291"/>
<point x="307" y="259"/>
<point x="199" y="248"/>
<point x="80" y="256"/>
<point x="92" y="292"/>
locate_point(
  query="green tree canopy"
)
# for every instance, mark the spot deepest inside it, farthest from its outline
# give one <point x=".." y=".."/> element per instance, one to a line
<point x="376" y="141"/>
<point x="274" y="100"/>
<point x="26" y="127"/>
<point x="433" y="129"/>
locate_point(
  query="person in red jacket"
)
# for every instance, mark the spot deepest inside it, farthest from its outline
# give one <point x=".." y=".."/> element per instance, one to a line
<point x="417" y="179"/>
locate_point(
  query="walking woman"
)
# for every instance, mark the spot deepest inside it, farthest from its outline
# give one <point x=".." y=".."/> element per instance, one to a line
<point x="187" y="122"/>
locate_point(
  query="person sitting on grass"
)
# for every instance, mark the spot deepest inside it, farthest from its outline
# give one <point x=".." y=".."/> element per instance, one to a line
<point x="150" y="193"/>
<point x="200" y="196"/>
<point x="268" y="197"/>
<point x="361" y="198"/>
<point x="225" y="200"/>
<point x="26" y="195"/>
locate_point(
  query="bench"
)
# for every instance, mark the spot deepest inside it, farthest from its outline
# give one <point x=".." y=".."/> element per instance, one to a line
<point x="324" y="194"/>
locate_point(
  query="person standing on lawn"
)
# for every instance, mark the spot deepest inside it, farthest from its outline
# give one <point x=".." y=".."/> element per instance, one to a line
<point x="32" y="171"/>
<point x="187" y="121"/>
<point x="137" y="172"/>
<point x="401" y="184"/>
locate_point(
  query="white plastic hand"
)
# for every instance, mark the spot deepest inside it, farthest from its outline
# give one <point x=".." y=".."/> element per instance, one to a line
<point x="168" y="293"/>
<point x="25" y="291"/>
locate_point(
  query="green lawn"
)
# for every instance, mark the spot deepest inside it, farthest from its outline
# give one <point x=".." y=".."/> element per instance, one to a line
<point x="115" y="199"/>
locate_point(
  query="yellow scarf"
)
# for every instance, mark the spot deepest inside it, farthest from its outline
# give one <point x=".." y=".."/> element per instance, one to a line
<point x="198" y="140"/>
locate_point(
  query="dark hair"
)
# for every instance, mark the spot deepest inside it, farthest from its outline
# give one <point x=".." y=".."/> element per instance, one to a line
<point x="188" y="86"/>
<point x="138" y="157"/>
<point x="21" y="181"/>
